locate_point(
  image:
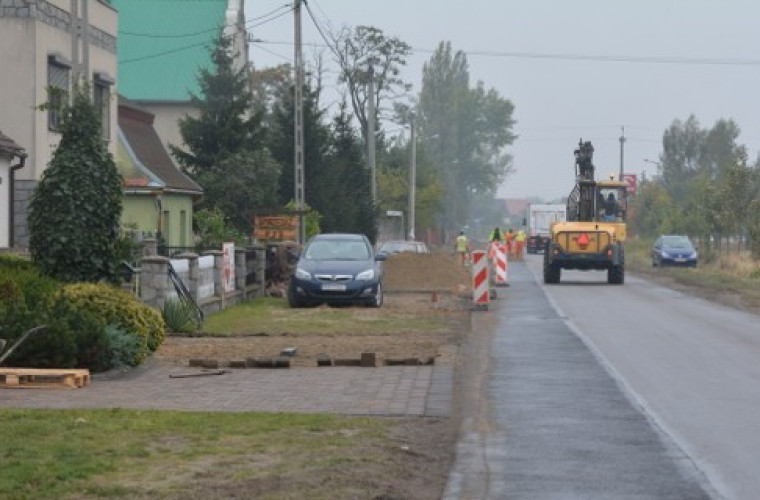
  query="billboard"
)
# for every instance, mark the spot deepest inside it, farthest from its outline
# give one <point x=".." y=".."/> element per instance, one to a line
<point x="283" y="227"/>
<point x="633" y="183"/>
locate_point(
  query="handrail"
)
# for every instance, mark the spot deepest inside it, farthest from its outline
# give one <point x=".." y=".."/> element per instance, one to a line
<point x="184" y="294"/>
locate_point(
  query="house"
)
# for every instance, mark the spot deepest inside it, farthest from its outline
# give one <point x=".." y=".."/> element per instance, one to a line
<point x="163" y="46"/>
<point x="158" y="198"/>
<point x="50" y="44"/>
<point x="9" y="151"/>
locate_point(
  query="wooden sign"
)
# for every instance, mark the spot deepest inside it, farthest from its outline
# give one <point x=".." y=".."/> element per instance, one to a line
<point x="275" y="227"/>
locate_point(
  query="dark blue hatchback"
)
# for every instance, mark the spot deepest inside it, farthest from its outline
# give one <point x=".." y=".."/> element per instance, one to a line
<point x="674" y="250"/>
<point x="337" y="268"/>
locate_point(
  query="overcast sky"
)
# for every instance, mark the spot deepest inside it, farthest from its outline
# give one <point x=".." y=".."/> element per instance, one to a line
<point x="549" y="63"/>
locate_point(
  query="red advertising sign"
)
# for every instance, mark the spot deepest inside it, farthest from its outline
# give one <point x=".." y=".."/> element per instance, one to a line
<point x="633" y="182"/>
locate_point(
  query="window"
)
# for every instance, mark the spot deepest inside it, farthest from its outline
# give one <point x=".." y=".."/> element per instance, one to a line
<point x="183" y="228"/>
<point x="102" y="100"/>
<point x="58" y="89"/>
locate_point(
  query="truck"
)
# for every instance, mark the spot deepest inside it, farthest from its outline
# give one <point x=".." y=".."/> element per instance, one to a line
<point x="540" y="218"/>
<point x="593" y="235"/>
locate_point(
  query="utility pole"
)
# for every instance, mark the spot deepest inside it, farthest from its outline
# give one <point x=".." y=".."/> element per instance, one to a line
<point x="412" y="177"/>
<point x="298" y="125"/>
<point x="622" y="148"/>
<point x="371" y="133"/>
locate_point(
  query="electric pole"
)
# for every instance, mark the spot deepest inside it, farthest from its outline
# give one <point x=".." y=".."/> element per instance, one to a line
<point x="412" y="177"/>
<point x="371" y="133"/>
<point x="298" y="125"/>
<point x="622" y="148"/>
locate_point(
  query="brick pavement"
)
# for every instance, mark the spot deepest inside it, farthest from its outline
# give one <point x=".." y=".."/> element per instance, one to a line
<point x="392" y="390"/>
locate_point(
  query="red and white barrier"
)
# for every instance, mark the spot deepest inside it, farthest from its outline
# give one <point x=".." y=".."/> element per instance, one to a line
<point x="480" y="292"/>
<point x="500" y="263"/>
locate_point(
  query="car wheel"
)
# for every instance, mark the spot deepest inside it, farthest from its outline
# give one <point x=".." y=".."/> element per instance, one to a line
<point x="294" y="300"/>
<point x="377" y="300"/>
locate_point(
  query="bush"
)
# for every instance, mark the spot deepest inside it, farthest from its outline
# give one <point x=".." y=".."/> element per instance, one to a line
<point x="179" y="315"/>
<point x="123" y="346"/>
<point x="121" y="308"/>
<point x="16" y="261"/>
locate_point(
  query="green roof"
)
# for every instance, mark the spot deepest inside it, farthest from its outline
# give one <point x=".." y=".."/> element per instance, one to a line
<point x="163" y="44"/>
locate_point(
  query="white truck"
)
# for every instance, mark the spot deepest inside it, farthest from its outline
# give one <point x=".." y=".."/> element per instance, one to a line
<point x="540" y="218"/>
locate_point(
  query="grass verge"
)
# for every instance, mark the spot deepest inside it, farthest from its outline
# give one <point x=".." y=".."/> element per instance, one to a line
<point x="733" y="276"/>
<point x="68" y="454"/>
<point x="272" y="316"/>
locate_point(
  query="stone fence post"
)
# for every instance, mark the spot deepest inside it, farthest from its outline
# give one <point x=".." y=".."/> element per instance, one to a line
<point x="154" y="280"/>
<point x="218" y="274"/>
<point x="261" y="266"/>
<point x="241" y="271"/>
<point x="192" y="286"/>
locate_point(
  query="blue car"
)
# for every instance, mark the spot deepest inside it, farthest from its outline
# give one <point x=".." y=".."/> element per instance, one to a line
<point x="674" y="250"/>
<point x="337" y="268"/>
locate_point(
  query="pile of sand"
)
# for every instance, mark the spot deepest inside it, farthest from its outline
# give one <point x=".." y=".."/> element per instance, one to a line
<point x="438" y="271"/>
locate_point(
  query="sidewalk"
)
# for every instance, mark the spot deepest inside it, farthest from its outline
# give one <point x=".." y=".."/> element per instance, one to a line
<point x="391" y="391"/>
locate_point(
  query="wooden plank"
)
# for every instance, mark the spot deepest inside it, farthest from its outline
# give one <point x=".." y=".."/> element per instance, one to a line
<point x="16" y="378"/>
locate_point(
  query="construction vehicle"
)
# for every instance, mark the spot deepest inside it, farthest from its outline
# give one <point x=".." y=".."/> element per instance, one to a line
<point x="593" y="235"/>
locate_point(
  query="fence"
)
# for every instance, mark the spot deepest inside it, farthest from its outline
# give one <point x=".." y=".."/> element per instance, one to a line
<point x="203" y="276"/>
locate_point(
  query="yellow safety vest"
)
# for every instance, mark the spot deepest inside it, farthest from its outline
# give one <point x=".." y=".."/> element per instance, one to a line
<point x="461" y="243"/>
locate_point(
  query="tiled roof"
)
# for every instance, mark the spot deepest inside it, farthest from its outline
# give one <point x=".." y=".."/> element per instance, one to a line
<point x="9" y="145"/>
<point x="136" y="125"/>
<point x="163" y="44"/>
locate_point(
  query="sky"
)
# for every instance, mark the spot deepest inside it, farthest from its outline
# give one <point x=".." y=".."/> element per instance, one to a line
<point x="573" y="69"/>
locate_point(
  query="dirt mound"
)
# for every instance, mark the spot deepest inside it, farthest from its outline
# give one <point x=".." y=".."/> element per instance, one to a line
<point x="439" y="272"/>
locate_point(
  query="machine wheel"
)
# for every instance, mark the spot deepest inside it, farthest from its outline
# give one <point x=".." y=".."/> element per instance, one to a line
<point x="616" y="275"/>
<point x="551" y="272"/>
<point x="294" y="300"/>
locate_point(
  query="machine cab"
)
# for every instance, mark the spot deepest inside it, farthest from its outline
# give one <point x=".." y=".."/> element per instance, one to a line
<point x="611" y="201"/>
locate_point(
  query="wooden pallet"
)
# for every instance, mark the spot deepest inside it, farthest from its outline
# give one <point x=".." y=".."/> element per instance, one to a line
<point x="38" y="378"/>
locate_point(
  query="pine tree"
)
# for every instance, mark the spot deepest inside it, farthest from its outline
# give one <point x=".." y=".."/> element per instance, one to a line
<point x="75" y="211"/>
<point x="225" y="142"/>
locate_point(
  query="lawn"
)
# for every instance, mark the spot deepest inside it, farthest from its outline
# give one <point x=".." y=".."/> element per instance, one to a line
<point x="46" y="454"/>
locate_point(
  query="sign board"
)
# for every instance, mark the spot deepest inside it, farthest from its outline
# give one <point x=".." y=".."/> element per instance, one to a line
<point x="632" y="181"/>
<point x="228" y="266"/>
<point x="275" y="227"/>
<point x="394" y="213"/>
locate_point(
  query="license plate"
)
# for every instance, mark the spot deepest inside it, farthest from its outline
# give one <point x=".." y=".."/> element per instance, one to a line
<point x="680" y="259"/>
<point x="333" y="287"/>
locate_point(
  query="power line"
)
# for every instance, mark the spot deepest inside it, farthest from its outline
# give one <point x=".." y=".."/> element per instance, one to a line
<point x="321" y="33"/>
<point x="271" y="52"/>
<point x="580" y="57"/>
<point x="164" y="53"/>
<point x="203" y="32"/>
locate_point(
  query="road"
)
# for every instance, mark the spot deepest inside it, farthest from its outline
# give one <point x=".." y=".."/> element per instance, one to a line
<point x="588" y="390"/>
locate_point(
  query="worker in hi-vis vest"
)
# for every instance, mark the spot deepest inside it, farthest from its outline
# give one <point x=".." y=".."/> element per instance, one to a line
<point x="462" y="248"/>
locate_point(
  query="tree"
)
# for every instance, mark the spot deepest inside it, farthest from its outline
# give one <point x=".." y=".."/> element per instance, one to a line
<point x="75" y="211"/>
<point x="226" y="152"/>
<point x="367" y="47"/>
<point x="466" y="129"/>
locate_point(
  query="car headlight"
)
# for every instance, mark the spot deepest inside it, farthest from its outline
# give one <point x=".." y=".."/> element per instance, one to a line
<point x="302" y="275"/>
<point x="664" y="254"/>
<point x="693" y="255"/>
<point x="366" y="275"/>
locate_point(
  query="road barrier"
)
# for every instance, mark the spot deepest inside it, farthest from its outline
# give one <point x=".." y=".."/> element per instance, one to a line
<point x="500" y="264"/>
<point x="480" y="291"/>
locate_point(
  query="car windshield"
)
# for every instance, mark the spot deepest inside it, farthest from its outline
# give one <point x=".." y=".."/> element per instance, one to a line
<point x="681" y="242"/>
<point x="337" y="250"/>
<point x="397" y="247"/>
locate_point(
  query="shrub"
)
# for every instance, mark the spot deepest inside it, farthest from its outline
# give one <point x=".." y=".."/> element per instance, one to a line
<point x="16" y="261"/>
<point x="179" y="315"/>
<point x="123" y="346"/>
<point x="121" y="308"/>
<point x="32" y="287"/>
<point x="73" y="338"/>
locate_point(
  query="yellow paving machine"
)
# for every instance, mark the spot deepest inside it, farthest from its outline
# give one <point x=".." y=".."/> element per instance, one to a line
<point x="592" y="237"/>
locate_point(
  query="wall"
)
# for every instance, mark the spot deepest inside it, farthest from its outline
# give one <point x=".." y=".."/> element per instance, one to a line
<point x="174" y="205"/>
<point x="166" y="121"/>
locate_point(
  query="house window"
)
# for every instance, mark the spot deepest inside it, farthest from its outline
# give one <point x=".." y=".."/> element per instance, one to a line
<point x="102" y="99"/>
<point x="58" y="89"/>
<point x="165" y="227"/>
<point x="183" y="228"/>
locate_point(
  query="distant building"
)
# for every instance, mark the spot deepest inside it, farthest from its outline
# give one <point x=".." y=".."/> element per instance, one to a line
<point x="9" y="151"/>
<point x="164" y="45"/>
<point x="158" y="198"/>
<point x="48" y="44"/>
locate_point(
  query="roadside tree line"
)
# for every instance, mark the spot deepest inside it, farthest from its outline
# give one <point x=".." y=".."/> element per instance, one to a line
<point x="705" y="187"/>
<point x="239" y="147"/>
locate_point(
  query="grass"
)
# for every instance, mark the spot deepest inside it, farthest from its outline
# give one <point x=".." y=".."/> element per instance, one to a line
<point x="735" y="273"/>
<point x="150" y="454"/>
<point x="272" y="316"/>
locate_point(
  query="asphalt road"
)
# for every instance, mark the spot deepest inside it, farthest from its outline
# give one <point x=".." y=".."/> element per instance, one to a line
<point x="567" y="393"/>
<point x="694" y="365"/>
